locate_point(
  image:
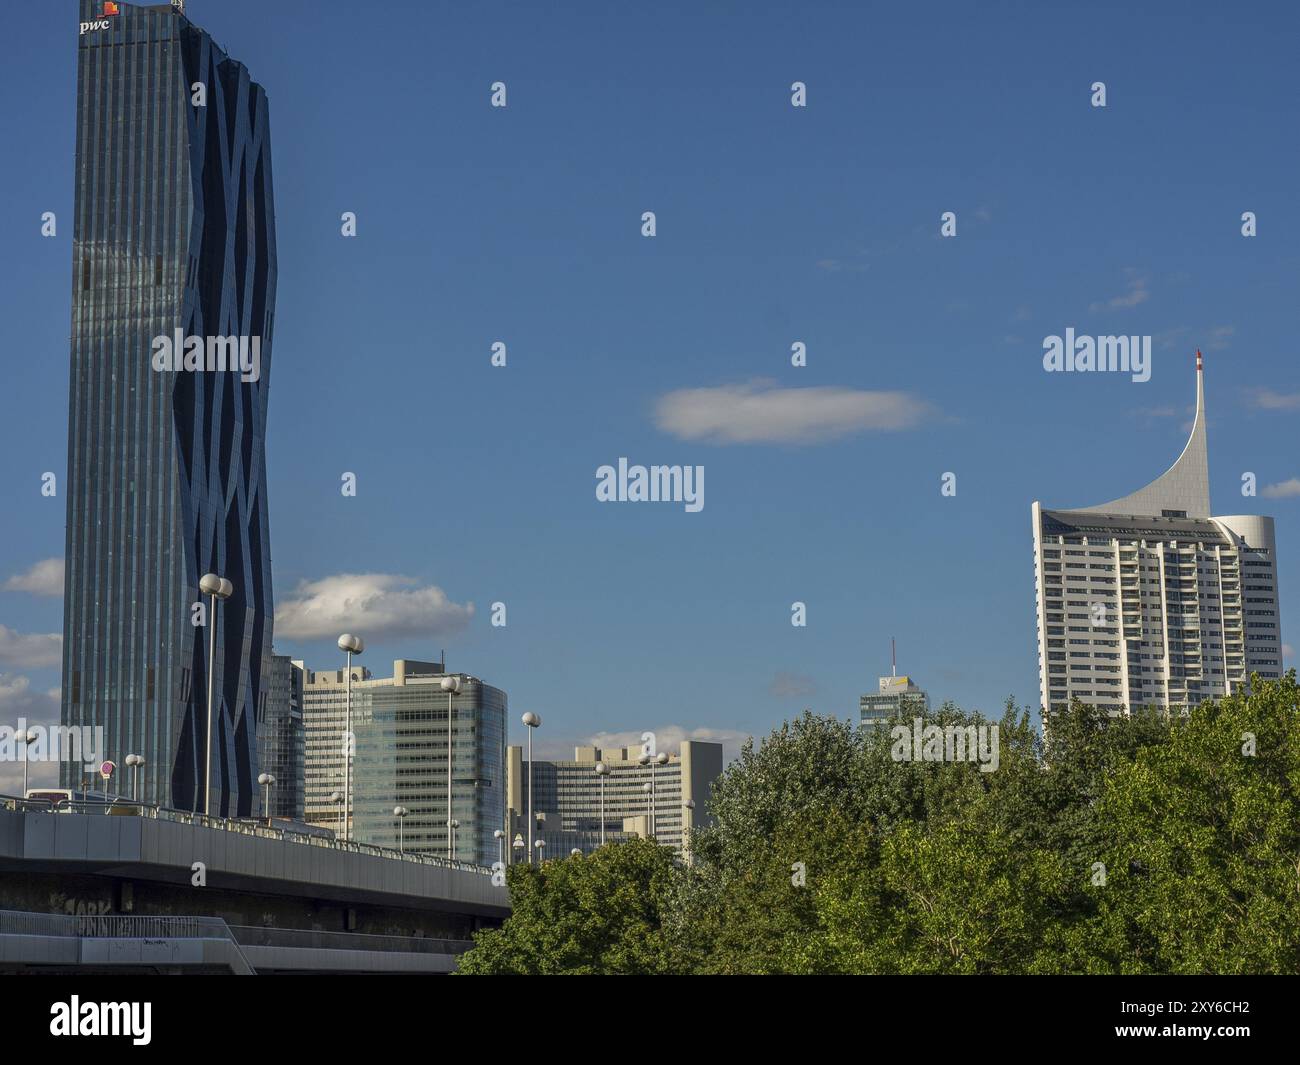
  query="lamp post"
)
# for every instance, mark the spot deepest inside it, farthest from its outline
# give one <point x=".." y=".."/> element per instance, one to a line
<point x="353" y="645"/>
<point x="133" y="762"/>
<point x="452" y="825"/>
<point x="538" y="846"/>
<point x="576" y="852"/>
<point x="336" y="797"/>
<point x="648" y="788"/>
<point x="518" y="845"/>
<point x="687" y="807"/>
<point x="650" y="812"/>
<point x="266" y="780"/>
<point x="217" y="588"/>
<point x="400" y="813"/>
<point x="533" y="721"/>
<point x="602" y="771"/>
<point x="659" y="759"/>
<point x="451" y="685"/>
<point x="500" y="837"/>
<point x="28" y="737"/>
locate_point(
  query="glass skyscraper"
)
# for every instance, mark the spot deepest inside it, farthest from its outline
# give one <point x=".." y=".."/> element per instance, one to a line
<point x="283" y="744"/>
<point x="174" y="236"/>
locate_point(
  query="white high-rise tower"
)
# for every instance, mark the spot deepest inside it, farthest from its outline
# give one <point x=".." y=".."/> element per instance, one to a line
<point x="1148" y="599"/>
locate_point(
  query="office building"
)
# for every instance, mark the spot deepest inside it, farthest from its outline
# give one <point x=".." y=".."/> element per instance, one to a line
<point x="173" y="236"/>
<point x="1149" y="600"/>
<point x="567" y="803"/>
<point x="283" y="741"/>
<point x="401" y="757"/>
<point x="897" y="697"/>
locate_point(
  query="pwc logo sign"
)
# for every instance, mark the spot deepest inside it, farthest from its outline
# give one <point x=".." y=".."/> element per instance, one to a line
<point x="110" y="9"/>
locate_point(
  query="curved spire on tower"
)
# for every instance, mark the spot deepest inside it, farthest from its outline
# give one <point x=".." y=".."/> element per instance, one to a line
<point x="1185" y="486"/>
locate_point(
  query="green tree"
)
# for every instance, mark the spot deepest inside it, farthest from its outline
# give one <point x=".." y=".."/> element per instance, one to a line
<point x="1202" y="842"/>
<point x="601" y="913"/>
<point x="1151" y="843"/>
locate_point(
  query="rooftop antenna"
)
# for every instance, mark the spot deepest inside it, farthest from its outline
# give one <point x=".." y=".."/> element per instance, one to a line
<point x="893" y="659"/>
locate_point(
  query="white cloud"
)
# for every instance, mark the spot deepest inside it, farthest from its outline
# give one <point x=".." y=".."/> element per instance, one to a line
<point x="1135" y="293"/>
<point x="1220" y="335"/>
<point x="44" y="578"/>
<point x="369" y="604"/>
<point x="792" y="685"/>
<point x="1267" y="399"/>
<point x="759" y="412"/>
<point x="1283" y="489"/>
<point x="1288" y="651"/>
<point x="17" y="700"/>
<point x="29" y="650"/>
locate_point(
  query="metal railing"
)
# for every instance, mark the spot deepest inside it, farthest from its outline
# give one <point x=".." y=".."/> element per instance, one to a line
<point x="112" y="926"/>
<point x="256" y="936"/>
<point x="243" y="827"/>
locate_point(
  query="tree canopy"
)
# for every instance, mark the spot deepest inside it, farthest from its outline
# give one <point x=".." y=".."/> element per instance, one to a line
<point x="1145" y="843"/>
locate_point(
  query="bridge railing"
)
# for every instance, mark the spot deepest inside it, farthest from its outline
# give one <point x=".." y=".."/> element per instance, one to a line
<point x="256" y="936"/>
<point x="244" y="827"/>
<point x="112" y="926"/>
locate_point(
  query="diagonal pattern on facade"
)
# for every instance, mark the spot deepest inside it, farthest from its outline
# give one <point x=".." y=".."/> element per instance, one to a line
<point x="174" y="231"/>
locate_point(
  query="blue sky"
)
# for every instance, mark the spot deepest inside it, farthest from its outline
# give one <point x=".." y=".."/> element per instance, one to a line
<point x="775" y="224"/>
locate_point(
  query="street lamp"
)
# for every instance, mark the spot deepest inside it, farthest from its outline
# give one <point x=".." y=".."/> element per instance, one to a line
<point x="336" y="797"/>
<point x="452" y="825"/>
<point x="687" y="830"/>
<point x="451" y="685"/>
<point x="538" y="847"/>
<point x="353" y="645"/>
<point x="602" y="771"/>
<point x="659" y="759"/>
<point x="134" y="762"/>
<point x="266" y="780"/>
<point x="518" y="845"/>
<point x="648" y="788"/>
<point x="533" y="721"/>
<point x="576" y="852"/>
<point x="500" y="837"/>
<point x="217" y="588"/>
<point x="29" y="737"/>
<point x="400" y="813"/>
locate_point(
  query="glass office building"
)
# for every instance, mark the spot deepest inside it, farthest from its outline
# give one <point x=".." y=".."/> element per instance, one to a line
<point x="283" y="741"/>
<point x="897" y="697"/>
<point x="173" y="237"/>
<point x="401" y="758"/>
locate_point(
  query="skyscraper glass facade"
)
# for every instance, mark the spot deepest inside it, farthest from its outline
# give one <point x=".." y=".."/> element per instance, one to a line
<point x="174" y="234"/>
<point x="283" y="742"/>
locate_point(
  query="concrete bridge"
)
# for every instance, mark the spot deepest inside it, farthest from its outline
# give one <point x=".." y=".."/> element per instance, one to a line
<point x="148" y="889"/>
